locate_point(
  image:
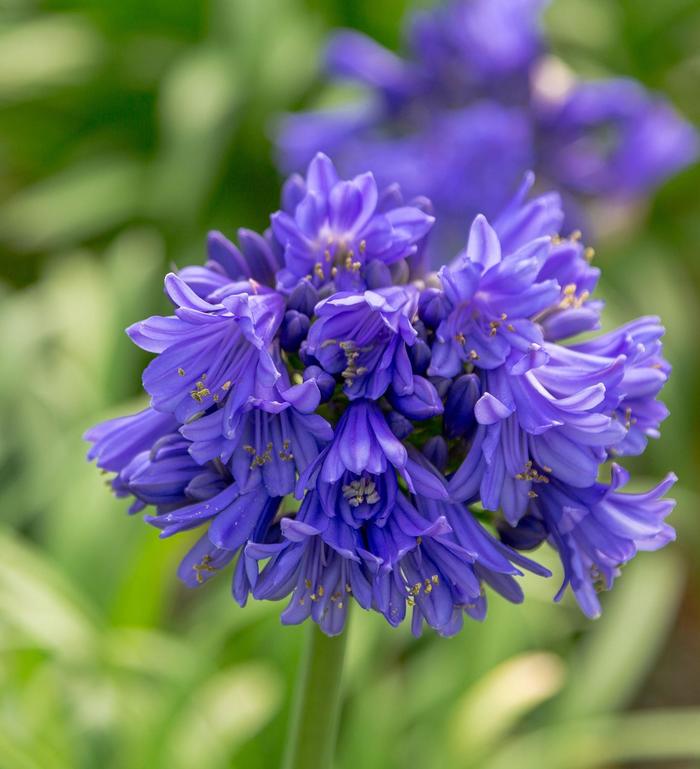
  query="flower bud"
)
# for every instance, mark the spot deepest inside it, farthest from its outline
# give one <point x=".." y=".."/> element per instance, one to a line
<point x="324" y="381"/>
<point x="459" y="408"/>
<point x="433" y="307"/>
<point x="527" y="535"/>
<point x="295" y="326"/>
<point x="419" y="355"/>
<point x="303" y="298"/>
<point x="423" y="403"/>
<point x="399" y="425"/>
<point x="377" y="275"/>
<point x="435" y="449"/>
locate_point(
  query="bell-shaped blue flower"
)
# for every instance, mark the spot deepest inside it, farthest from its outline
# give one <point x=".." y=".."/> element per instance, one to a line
<point x="205" y="349"/>
<point x="336" y="229"/>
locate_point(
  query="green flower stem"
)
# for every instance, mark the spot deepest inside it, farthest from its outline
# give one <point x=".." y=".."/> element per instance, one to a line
<point x="314" y="720"/>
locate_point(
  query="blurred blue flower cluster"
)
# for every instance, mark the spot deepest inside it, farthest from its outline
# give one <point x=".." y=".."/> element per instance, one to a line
<point x="476" y="101"/>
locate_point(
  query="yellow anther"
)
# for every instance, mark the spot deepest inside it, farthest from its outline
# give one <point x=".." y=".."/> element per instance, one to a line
<point x="200" y="393"/>
<point x="205" y="565"/>
<point x="285" y="454"/>
<point x="359" y="491"/>
<point x="532" y="474"/>
<point x="262" y="459"/>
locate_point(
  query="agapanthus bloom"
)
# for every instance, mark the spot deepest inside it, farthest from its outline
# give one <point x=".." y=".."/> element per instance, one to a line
<point x="337" y="234"/>
<point x="431" y="425"/>
<point x="475" y="101"/>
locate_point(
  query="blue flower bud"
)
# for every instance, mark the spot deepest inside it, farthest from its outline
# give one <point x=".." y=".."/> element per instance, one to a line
<point x="435" y="449"/>
<point x="303" y="298"/>
<point x="399" y="425"/>
<point x="377" y="275"/>
<point x="433" y="307"/>
<point x="419" y="355"/>
<point x="459" y="408"/>
<point x="527" y="535"/>
<point x="307" y="358"/>
<point x="294" y="329"/>
<point x="324" y="381"/>
<point x="423" y="403"/>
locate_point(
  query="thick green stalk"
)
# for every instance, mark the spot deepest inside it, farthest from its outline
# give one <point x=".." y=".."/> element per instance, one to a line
<point x="314" y="720"/>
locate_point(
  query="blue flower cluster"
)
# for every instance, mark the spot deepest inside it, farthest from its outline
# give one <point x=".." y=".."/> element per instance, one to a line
<point x="345" y="426"/>
<point x="476" y="101"/>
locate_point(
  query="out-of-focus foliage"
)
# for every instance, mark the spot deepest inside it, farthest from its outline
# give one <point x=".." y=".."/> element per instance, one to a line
<point x="127" y="129"/>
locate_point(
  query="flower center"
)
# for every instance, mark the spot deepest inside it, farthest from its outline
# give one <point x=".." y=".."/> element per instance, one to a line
<point x="360" y="491"/>
<point x="338" y="255"/>
<point x="352" y="353"/>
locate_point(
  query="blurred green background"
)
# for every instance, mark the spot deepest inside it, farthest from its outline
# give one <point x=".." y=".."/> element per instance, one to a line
<point x="127" y="129"/>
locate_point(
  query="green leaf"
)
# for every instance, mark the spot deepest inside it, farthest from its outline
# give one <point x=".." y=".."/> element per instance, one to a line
<point x="227" y="710"/>
<point x="38" y="607"/>
<point x="45" y="53"/>
<point x="489" y="710"/>
<point x="621" y="648"/>
<point x="588" y="744"/>
<point x="84" y="201"/>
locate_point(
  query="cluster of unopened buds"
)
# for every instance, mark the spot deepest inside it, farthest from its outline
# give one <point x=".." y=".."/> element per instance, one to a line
<point x="342" y="424"/>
